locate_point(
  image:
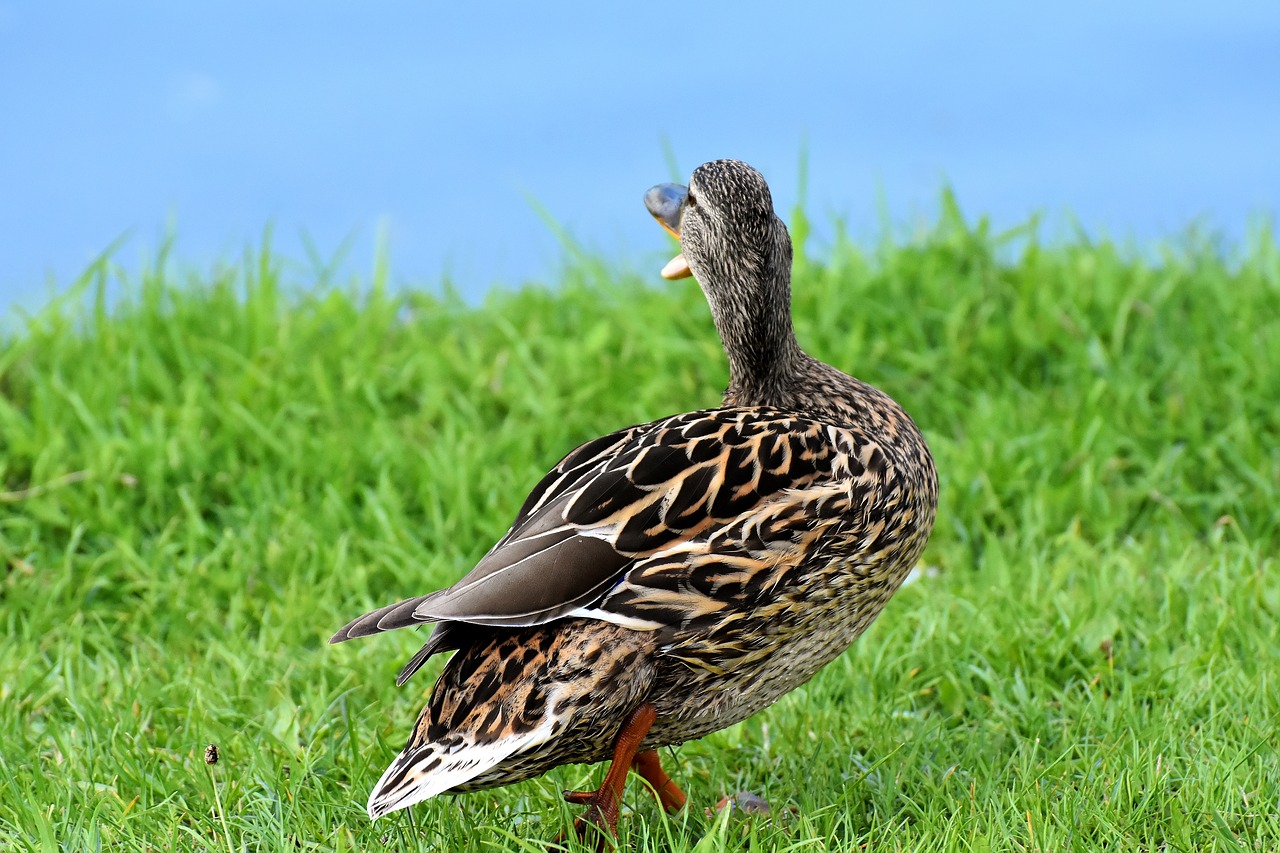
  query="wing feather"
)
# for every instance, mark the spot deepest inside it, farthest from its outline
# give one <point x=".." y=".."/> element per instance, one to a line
<point x="640" y="498"/>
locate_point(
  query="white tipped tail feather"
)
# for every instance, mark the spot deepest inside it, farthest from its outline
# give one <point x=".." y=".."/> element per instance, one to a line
<point x="420" y="772"/>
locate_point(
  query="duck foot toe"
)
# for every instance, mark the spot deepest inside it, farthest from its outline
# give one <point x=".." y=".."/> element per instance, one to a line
<point x="595" y="825"/>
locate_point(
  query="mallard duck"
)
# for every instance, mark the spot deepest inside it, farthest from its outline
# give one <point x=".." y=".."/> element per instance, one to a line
<point x="673" y="578"/>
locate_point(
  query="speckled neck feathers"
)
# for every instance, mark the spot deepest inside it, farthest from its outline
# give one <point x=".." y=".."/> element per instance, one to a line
<point x="753" y="316"/>
<point x="740" y="252"/>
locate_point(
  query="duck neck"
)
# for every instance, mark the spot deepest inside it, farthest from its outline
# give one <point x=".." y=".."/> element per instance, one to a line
<point x="764" y="356"/>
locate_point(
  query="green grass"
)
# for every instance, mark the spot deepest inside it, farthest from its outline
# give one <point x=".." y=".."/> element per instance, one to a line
<point x="204" y="481"/>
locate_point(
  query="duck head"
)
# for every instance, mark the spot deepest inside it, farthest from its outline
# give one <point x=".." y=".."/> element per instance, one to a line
<point x="740" y="253"/>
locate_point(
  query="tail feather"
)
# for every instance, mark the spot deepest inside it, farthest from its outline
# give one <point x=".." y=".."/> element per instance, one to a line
<point x="503" y="703"/>
<point x="422" y="771"/>
<point x="442" y="639"/>
<point x="398" y="615"/>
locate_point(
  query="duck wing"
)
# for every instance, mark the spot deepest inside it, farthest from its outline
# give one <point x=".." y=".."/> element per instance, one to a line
<point x="617" y="501"/>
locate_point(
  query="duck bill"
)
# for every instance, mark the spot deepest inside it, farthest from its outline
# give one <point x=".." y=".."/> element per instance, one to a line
<point x="666" y="202"/>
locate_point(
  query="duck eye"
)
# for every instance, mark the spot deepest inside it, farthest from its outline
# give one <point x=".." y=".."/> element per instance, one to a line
<point x="690" y="200"/>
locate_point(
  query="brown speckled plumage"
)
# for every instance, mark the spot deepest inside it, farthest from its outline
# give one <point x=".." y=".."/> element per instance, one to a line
<point x="704" y="564"/>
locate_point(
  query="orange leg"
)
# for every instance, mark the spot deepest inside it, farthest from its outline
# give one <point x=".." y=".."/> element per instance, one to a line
<point x="604" y="804"/>
<point x="649" y="766"/>
<point x="664" y="787"/>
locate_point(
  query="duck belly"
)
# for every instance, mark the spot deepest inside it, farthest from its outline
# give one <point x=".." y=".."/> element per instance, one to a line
<point x="711" y="682"/>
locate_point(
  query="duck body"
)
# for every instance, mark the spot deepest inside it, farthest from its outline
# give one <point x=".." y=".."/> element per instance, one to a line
<point x="671" y="579"/>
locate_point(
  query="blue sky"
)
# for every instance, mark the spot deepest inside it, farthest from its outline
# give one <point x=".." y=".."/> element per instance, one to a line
<point x="437" y="123"/>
